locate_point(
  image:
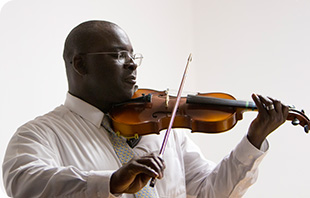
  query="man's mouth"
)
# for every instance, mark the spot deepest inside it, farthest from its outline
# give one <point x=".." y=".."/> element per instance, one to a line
<point x="131" y="80"/>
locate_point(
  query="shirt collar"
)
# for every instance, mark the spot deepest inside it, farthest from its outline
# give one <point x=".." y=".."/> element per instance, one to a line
<point x="84" y="109"/>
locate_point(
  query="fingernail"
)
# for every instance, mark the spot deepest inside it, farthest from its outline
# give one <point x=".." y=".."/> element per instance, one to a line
<point x="255" y="95"/>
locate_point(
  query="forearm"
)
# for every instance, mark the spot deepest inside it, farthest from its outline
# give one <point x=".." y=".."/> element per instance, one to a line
<point x="34" y="180"/>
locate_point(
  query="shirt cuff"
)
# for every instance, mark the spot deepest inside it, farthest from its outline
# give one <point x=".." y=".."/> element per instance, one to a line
<point x="247" y="153"/>
<point x="98" y="184"/>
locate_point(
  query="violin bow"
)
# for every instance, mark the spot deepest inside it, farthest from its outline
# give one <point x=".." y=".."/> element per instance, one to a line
<point x="163" y="146"/>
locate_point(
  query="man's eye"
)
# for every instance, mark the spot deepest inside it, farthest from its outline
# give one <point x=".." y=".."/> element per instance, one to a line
<point x="114" y="55"/>
<point x="122" y="55"/>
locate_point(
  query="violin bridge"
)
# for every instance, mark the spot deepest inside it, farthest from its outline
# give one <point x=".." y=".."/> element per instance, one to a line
<point x="167" y="97"/>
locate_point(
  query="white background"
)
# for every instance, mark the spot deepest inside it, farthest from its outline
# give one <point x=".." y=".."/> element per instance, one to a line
<point x="239" y="47"/>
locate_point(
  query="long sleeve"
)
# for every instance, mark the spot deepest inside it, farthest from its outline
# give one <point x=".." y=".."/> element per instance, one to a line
<point x="230" y="178"/>
<point x="32" y="168"/>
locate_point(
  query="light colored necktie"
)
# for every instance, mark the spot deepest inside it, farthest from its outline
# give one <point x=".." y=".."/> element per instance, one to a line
<point x="124" y="154"/>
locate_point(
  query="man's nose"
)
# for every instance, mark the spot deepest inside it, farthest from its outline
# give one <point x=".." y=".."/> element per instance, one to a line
<point x="131" y="65"/>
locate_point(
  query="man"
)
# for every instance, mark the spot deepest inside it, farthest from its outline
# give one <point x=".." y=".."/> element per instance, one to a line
<point x="73" y="152"/>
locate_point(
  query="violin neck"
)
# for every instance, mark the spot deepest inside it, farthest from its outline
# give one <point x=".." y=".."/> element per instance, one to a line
<point x="206" y="100"/>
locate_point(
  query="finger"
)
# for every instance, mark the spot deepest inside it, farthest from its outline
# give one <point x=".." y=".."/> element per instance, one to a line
<point x="265" y="101"/>
<point x="159" y="160"/>
<point x="268" y="104"/>
<point x="277" y="105"/>
<point x="161" y="164"/>
<point x="280" y="108"/>
<point x="285" y="111"/>
<point x="142" y="166"/>
<point x="258" y="103"/>
<point x="162" y="161"/>
<point x="153" y="162"/>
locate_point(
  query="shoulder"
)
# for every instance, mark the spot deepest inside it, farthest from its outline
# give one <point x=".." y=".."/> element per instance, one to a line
<point x="57" y="114"/>
<point x="44" y="124"/>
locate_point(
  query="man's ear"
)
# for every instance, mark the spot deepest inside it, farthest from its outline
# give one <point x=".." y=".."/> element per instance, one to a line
<point x="78" y="65"/>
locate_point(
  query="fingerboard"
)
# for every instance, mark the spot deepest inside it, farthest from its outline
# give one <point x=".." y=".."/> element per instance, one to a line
<point x="207" y="100"/>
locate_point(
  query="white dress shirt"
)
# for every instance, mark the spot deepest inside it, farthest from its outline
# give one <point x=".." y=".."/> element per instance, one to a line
<point x="67" y="153"/>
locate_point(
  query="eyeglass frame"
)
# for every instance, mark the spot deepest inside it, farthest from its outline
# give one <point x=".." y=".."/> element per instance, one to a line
<point x="132" y="57"/>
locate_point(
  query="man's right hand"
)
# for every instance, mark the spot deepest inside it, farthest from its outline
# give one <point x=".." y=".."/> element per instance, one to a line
<point x="134" y="175"/>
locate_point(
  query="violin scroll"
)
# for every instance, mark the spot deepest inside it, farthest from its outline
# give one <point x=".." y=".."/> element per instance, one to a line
<point x="298" y="118"/>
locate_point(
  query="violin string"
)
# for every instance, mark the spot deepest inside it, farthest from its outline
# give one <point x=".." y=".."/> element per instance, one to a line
<point x="174" y="92"/>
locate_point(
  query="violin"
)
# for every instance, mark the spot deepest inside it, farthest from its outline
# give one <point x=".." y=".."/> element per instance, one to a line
<point x="150" y="111"/>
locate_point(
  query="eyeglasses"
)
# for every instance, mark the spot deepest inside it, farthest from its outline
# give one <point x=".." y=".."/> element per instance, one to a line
<point x="123" y="57"/>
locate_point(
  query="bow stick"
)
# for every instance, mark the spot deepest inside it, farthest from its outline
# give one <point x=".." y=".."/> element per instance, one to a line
<point x="163" y="146"/>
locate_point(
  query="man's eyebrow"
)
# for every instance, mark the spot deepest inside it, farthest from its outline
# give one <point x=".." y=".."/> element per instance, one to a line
<point x="120" y="48"/>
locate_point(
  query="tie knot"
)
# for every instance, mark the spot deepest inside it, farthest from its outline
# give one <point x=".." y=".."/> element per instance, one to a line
<point x="106" y="123"/>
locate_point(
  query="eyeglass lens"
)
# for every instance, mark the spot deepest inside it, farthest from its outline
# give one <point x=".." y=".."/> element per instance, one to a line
<point x="125" y="57"/>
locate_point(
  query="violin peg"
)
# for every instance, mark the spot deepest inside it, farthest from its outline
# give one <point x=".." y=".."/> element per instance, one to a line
<point x="295" y="122"/>
<point x="148" y="98"/>
<point x="306" y="127"/>
<point x="291" y="106"/>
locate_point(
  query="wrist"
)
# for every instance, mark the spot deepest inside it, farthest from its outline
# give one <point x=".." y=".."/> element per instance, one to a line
<point x="112" y="186"/>
<point x="255" y="140"/>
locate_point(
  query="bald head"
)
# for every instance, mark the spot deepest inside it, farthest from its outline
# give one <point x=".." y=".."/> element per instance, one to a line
<point x="99" y="79"/>
<point x="89" y="36"/>
<point x="84" y="36"/>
